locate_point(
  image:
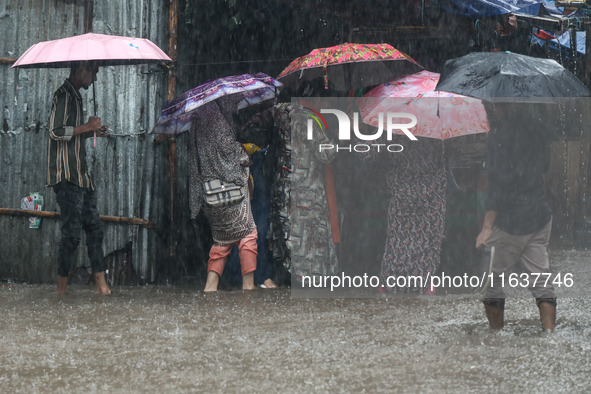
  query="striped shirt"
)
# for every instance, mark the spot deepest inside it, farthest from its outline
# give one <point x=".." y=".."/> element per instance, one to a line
<point x="66" y="159"/>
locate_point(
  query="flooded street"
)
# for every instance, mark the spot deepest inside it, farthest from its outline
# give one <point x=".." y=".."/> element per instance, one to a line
<point x="171" y="339"/>
<point x="339" y="142"/>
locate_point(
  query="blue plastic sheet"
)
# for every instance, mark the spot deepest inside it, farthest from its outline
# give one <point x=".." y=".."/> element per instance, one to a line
<point x="482" y="8"/>
<point x="562" y="43"/>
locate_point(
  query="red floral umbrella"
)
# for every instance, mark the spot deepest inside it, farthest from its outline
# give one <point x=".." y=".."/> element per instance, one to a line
<point x="349" y="66"/>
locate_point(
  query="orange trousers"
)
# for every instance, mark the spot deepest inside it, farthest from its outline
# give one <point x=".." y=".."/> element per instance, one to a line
<point x="247" y="251"/>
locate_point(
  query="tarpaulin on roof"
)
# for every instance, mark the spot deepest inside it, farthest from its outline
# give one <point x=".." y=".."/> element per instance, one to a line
<point x="481" y="8"/>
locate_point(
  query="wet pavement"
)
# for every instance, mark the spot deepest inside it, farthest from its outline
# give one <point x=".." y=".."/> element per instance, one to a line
<point x="172" y="339"/>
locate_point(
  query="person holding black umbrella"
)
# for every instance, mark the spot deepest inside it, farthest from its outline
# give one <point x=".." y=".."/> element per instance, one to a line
<point x="518" y="219"/>
<point x="68" y="174"/>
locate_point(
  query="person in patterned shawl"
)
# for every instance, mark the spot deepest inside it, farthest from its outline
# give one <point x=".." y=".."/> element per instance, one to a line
<point x="214" y="153"/>
<point x="300" y="233"/>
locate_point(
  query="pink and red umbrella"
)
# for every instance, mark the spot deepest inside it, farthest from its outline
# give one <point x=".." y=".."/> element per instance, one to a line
<point x="440" y="115"/>
<point x="349" y="66"/>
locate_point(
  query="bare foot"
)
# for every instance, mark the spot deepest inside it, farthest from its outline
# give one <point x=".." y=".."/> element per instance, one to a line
<point x="248" y="281"/>
<point x="269" y="284"/>
<point x="101" y="283"/>
<point x="211" y="284"/>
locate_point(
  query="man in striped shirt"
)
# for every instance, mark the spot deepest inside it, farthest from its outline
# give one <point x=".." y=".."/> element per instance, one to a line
<point x="67" y="173"/>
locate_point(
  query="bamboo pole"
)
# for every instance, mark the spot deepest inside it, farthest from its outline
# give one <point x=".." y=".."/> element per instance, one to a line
<point x="55" y="215"/>
<point x="7" y="60"/>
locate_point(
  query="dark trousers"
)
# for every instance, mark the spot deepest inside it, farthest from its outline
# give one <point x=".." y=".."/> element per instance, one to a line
<point x="78" y="211"/>
<point x="261" y="206"/>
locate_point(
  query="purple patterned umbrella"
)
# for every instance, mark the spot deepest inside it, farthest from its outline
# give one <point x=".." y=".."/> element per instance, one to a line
<point x="178" y="113"/>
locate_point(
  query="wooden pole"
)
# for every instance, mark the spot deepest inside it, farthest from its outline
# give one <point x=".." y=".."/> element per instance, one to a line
<point x="172" y="47"/>
<point x="55" y="215"/>
<point x="587" y="62"/>
<point x="573" y="48"/>
<point x="587" y="81"/>
<point x="171" y="93"/>
<point x="88" y="15"/>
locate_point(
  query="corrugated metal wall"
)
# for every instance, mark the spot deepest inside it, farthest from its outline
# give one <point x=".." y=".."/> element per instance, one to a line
<point x="130" y="169"/>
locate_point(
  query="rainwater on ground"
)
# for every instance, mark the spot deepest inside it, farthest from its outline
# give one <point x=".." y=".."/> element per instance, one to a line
<point x="173" y="339"/>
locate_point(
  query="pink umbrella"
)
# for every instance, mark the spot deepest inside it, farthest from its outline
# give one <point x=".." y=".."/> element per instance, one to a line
<point x="105" y="50"/>
<point x="440" y="115"/>
<point x="102" y="49"/>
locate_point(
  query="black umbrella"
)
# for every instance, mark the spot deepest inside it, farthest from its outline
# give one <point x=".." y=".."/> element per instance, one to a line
<point x="500" y="76"/>
<point x="544" y="93"/>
